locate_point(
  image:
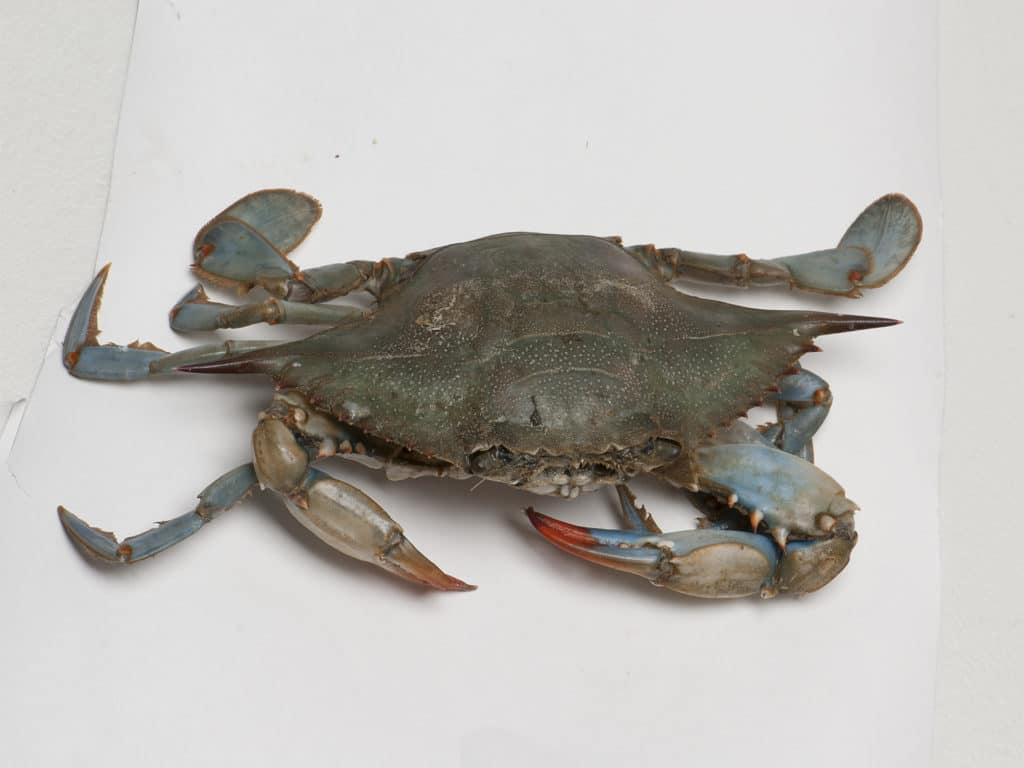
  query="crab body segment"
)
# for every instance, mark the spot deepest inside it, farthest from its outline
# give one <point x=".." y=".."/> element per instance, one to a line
<point x="554" y="363"/>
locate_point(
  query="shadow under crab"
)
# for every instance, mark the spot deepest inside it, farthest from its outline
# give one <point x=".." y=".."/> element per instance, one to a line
<point x="554" y="363"/>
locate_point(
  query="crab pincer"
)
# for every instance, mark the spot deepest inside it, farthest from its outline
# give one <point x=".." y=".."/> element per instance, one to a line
<point x="701" y="563"/>
<point x="348" y="520"/>
<point x="706" y="562"/>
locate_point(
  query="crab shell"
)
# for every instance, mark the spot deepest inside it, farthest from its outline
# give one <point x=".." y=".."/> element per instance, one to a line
<point x="512" y="354"/>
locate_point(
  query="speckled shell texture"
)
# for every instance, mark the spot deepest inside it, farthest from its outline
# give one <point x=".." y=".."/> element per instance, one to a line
<point x="555" y="344"/>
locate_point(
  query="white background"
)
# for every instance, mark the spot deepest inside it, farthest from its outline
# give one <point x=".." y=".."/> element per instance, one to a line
<point x="108" y="627"/>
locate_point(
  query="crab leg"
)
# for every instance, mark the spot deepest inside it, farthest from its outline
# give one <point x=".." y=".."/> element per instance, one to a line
<point x="247" y="245"/>
<point x="874" y="249"/>
<point x="223" y="493"/>
<point x="802" y="404"/>
<point x="339" y="514"/>
<point x="86" y="359"/>
<point x="195" y="312"/>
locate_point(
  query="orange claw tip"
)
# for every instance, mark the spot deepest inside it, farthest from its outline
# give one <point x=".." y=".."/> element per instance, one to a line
<point x="403" y="559"/>
<point x="440" y="580"/>
<point x="560" y="533"/>
<point x="457" y="585"/>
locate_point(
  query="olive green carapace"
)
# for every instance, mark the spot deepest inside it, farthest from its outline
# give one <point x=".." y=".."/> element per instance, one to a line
<point x="549" y="344"/>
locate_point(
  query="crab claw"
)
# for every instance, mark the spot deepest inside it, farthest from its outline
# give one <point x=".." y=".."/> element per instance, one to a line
<point x="351" y="522"/>
<point x="789" y="494"/>
<point x="403" y="559"/>
<point x="700" y="563"/>
<point x="708" y="562"/>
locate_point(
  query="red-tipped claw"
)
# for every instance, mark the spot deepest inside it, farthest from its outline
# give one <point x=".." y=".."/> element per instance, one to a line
<point x="702" y="563"/>
<point x="403" y="559"/>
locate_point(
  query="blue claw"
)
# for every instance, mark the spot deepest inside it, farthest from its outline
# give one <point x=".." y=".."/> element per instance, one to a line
<point x="701" y="563"/>
<point x="709" y="562"/>
<point x="789" y="494"/>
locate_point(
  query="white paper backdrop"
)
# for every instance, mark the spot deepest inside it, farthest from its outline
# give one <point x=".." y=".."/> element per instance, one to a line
<point x="724" y="127"/>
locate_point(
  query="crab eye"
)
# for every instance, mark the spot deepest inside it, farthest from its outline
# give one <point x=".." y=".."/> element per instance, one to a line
<point x="664" y="450"/>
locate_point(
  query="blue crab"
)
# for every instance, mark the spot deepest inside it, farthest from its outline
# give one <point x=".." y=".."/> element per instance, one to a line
<point x="558" y="364"/>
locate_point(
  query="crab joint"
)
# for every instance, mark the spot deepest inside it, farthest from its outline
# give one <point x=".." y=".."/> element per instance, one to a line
<point x="280" y="461"/>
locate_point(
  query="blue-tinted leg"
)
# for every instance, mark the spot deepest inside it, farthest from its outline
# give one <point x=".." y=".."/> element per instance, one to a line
<point x="195" y="312"/>
<point x="247" y="244"/>
<point x="86" y="359"/>
<point x="222" y="493"/>
<point x="802" y="405"/>
<point x="874" y="249"/>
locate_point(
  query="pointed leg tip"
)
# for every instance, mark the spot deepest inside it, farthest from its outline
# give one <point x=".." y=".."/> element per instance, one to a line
<point x="439" y="580"/>
<point x="458" y="585"/>
<point x="95" y="290"/>
<point x="885" y="322"/>
<point x="99" y="280"/>
<point x="95" y="542"/>
<point x="70" y="520"/>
